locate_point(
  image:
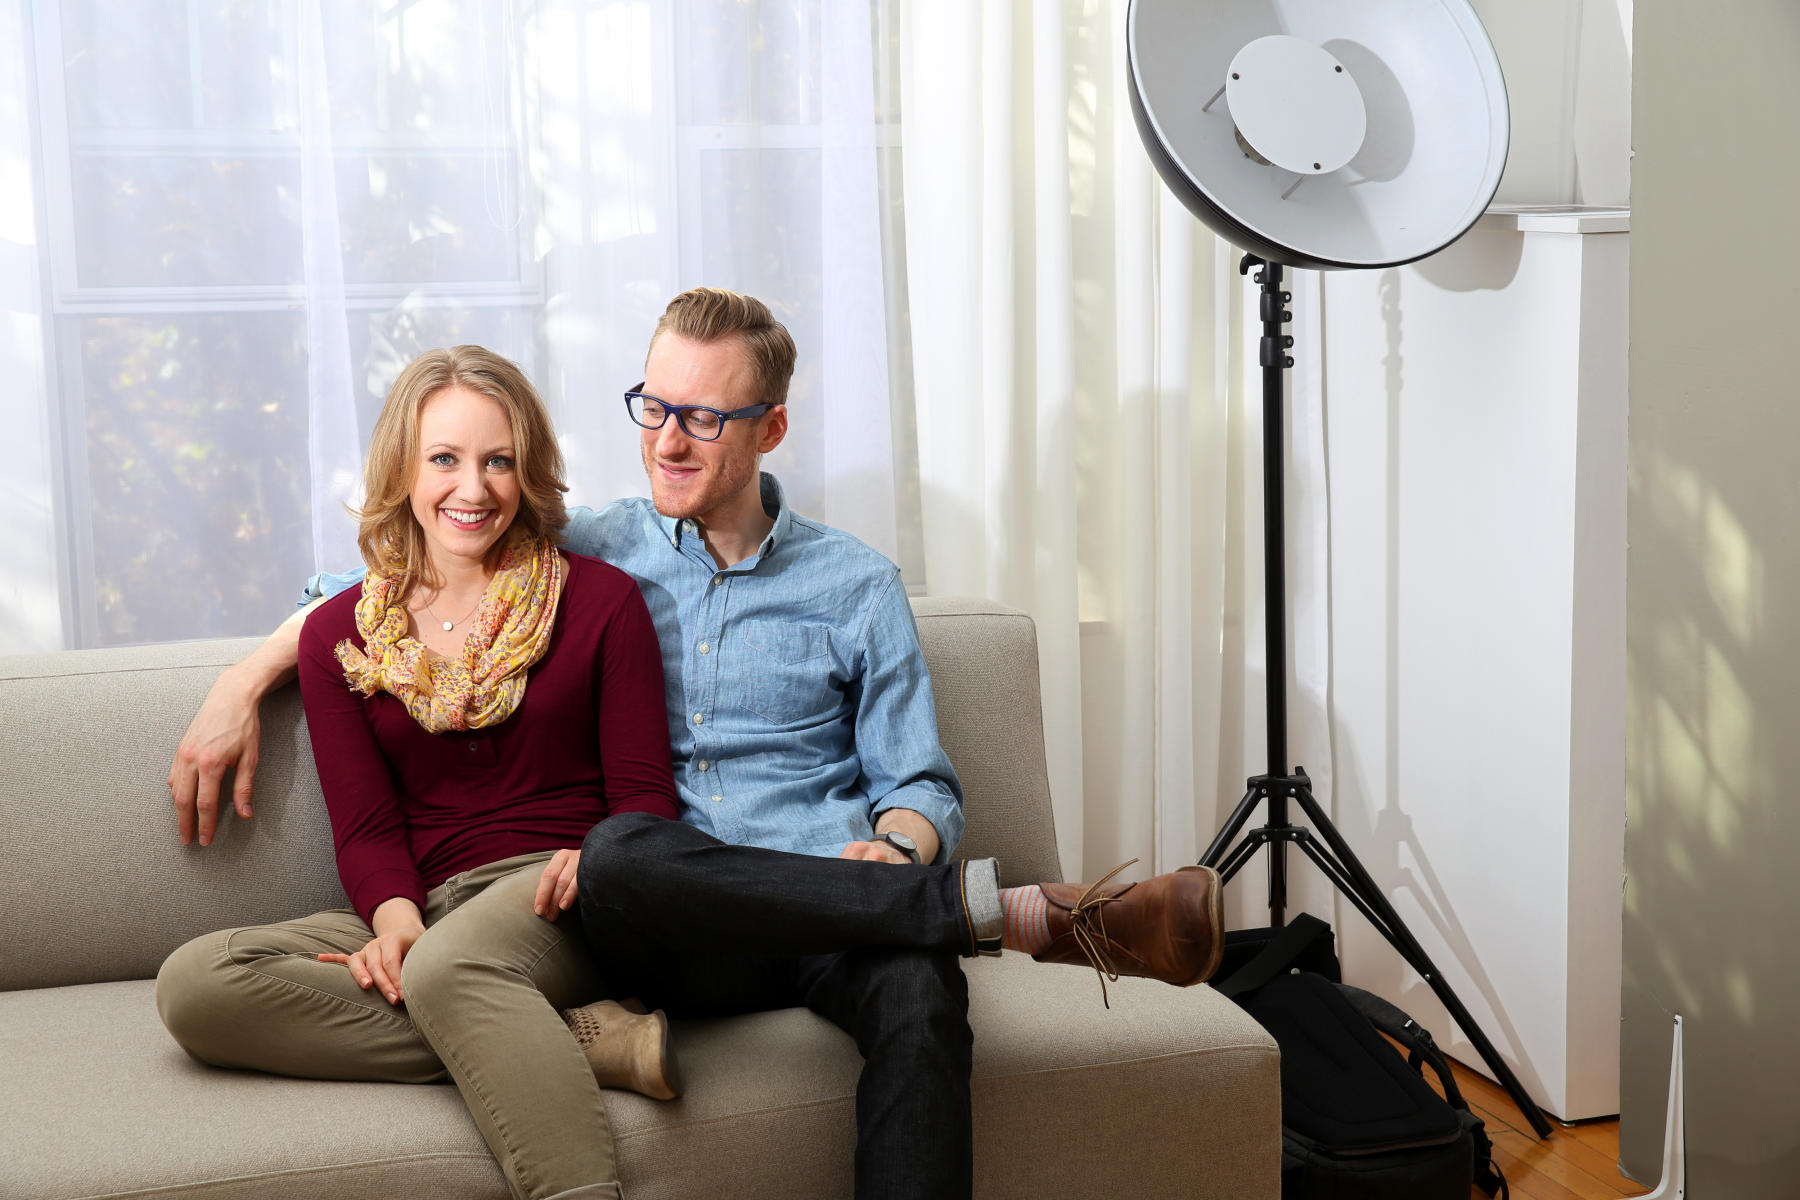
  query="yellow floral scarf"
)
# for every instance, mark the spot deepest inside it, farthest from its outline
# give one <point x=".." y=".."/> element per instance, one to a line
<point x="483" y="687"/>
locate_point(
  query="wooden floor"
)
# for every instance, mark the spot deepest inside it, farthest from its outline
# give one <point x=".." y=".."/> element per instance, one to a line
<point x="1575" y="1161"/>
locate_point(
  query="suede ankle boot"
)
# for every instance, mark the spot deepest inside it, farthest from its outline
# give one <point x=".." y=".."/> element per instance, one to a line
<point x="626" y="1049"/>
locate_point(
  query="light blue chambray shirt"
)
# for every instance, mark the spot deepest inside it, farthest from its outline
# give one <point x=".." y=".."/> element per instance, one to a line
<point x="800" y="707"/>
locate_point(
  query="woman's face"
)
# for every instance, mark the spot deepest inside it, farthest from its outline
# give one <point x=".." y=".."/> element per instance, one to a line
<point x="466" y="492"/>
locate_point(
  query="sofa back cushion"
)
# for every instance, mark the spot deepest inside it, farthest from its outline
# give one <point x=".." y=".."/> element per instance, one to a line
<point x="97" y="886"/>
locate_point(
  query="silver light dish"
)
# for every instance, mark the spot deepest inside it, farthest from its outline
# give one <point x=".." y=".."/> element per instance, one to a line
<point x="1321" y="135"/>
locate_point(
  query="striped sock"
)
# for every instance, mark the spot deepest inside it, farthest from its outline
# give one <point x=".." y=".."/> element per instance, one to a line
<point x="1027" y="918"/>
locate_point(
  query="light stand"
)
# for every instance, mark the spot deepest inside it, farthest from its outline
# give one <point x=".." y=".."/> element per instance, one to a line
<point x="1335" y="857"/>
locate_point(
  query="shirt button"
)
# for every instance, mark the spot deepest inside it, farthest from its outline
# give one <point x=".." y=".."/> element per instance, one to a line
<point x="704" y="765"/>
<point x="699" y="718"/>
<point x="471" y="747"/>
<point x="705" y="649"/>
<point x="717" y="799"/>
<point x="673" y="541"/>
<point x="717" y="579"/>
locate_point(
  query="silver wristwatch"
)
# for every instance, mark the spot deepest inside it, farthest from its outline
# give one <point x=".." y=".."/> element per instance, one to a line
<point x="903" y="844"/>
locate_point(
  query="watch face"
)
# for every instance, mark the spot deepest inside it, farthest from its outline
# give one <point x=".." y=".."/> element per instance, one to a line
<point x="902" y="843"/>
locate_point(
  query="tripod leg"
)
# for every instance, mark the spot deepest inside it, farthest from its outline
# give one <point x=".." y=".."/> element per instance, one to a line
<point x="1239" y="815"/>
<point x="1366" y="895"/>
<point x="1340" y="879"/>
<point x="1234" y="862"/>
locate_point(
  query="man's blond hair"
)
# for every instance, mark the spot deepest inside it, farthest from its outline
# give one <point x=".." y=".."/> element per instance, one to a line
<point x="706" y="314"/>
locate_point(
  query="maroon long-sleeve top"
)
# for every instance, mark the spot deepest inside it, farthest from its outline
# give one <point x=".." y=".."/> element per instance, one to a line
<point x="410" y="808"/>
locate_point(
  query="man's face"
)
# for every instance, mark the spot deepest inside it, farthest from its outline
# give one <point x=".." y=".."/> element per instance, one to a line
<point x="689" y="477"/>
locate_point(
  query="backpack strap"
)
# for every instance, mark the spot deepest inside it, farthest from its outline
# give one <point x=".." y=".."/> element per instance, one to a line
<point x="1409" y="1033"/>
<point x="1274" y="958"/>
<point x="1421" y="1047"/>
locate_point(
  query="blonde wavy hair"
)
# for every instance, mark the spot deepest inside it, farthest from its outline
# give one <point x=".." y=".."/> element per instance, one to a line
<point x="389" y="536"/>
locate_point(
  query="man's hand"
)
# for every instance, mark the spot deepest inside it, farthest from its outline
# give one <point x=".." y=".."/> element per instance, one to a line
<point x="227" y="733"/>
<point x="874" y="852"/>
<point x="897" y="820"/>
<point x="557" y="886"/>
<point x="398" y="925"/>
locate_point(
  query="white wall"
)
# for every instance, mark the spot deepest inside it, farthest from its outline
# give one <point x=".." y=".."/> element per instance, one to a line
<point x="1476" y="446"/>
<point x="1568" y="80"/>
<point x="1714" y="603"/>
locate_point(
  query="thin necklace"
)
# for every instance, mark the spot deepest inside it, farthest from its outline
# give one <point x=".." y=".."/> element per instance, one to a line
<point x="450" y="625"/>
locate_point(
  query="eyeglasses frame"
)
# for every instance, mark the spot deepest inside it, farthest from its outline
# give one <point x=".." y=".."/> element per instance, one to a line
<point x="680" y="412"/>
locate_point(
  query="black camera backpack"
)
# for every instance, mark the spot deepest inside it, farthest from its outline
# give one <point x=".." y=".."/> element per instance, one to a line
<point x="1358" y="1121"/>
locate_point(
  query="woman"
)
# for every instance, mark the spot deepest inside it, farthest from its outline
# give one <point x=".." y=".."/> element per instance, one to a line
<point x="475" y="709"/>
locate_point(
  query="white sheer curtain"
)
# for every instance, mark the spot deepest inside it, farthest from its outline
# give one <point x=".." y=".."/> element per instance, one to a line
<point x="227" y="224"/>
<point x="30" y="615"/>
<point x="1089" y="428"/>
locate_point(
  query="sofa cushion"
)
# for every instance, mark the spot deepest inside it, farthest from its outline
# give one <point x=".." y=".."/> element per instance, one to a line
<point x="1071" y="1099"/>
<point x="86" y="738"/>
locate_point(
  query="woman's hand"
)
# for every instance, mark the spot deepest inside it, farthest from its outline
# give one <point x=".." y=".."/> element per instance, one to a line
<point x="557" y="887"/>
<point x="398" y="924"/>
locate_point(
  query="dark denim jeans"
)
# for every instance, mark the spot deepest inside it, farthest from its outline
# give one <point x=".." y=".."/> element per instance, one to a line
<point x="701" y="928"/>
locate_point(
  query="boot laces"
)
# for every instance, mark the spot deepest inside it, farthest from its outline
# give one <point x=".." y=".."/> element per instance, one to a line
<point x="1087" y="921"/>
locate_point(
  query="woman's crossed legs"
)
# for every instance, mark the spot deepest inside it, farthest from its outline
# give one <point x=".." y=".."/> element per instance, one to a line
<point x="483" y="989"/>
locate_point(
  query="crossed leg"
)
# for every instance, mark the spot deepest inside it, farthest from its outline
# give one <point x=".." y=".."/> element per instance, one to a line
<point x="483" y="986"/>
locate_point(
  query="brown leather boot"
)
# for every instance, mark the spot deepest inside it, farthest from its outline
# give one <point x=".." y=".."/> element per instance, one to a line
<point x="626" y="1049"/>
<point x="1169" y="928"/>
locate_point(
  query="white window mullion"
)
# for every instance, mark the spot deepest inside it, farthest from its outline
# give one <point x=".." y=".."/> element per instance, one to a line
<point x="53" y="118"/>
<point x="196" y="56"/>
<point x="81" y="603"/>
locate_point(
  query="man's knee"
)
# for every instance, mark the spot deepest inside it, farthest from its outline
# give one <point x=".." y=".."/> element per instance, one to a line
<point x="610" y="841"/>
<point x="613" y="854"/>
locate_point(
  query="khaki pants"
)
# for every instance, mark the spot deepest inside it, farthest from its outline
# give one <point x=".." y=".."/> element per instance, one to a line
<point x="483" y="986"/>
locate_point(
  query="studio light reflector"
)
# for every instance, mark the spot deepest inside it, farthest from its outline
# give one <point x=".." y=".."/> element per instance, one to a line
<point x="1321" y="135"/>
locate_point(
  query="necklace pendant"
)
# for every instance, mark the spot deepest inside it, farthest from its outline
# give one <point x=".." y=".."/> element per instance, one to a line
<point x="448" y="626"/>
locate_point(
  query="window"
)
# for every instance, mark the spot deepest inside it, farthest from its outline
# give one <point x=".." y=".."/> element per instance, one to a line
<point x="256" y="212"/>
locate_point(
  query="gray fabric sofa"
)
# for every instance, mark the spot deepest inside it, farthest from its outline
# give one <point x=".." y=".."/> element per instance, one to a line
<point x="1172" y="1092"/>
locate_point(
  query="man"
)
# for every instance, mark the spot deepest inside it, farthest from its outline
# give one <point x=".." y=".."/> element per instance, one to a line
<point x="804" y="739"/>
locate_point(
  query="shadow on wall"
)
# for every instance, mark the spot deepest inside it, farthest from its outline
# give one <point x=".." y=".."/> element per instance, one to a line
<point x="1490" y="271"/>
<point x="1376" y="826"/>
<point x="1711" y="825"/>
<point x="1386" y="841"/>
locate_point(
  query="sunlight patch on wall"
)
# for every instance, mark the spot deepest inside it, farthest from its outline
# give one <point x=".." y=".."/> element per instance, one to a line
<point x="1730" y="725"/>
<point x="1680" y="757"/>
<point x="1732" y="571"/>
<point x="1740" y="995"/>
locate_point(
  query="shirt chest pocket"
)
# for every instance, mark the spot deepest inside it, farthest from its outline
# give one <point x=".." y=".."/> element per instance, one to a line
<point x="783" y="670"/>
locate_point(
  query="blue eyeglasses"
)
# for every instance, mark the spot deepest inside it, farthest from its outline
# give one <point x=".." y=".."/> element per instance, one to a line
<point x="696" y="420"/>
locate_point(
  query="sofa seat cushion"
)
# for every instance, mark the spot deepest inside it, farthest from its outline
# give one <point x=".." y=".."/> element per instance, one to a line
<point x="97" y="1101"/>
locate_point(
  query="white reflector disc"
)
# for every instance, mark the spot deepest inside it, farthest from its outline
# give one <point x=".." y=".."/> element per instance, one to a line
<point x="1296" y="105"/>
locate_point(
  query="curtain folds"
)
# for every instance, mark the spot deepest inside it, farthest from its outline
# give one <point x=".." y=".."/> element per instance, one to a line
<point x="1089" y="428"/>
<point x="31" y="616"/>
<point x="334" y="458"/>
